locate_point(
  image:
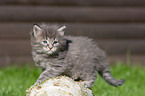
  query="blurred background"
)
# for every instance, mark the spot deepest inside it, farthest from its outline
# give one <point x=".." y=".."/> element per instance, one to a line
<point x="118" y="26"/>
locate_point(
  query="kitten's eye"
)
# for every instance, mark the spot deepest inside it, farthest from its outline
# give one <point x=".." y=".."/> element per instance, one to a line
<point x="55" y="42"/>
<point x="45" y="42"/>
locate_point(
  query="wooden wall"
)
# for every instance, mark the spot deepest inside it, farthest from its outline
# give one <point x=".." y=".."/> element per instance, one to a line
<point x="118" y="26"/>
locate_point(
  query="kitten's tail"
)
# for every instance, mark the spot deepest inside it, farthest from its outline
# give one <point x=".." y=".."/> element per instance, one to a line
<point x="107" y="76"/>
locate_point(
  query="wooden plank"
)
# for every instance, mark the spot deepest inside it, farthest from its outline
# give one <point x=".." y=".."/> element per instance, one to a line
<point x="108" y="30"/>
<point x="133" y="59"/>
<point x="122" y="47"/>
<point x="71" y="14"/>
<point x="112" y="47"/>
<point x="96" y="31"/>
<point x="16" y="60"/>
<point x="78" y="2"/>
<point x="15" y="30"/>
<point x="15" y="47"/>
<point x="22" y="60"/>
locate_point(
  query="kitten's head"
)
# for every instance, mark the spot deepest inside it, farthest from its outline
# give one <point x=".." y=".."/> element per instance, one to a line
<point x="48" y="38"/>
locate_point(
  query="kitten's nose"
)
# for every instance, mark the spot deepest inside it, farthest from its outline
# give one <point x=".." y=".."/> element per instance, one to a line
<point x="50" y="48"/>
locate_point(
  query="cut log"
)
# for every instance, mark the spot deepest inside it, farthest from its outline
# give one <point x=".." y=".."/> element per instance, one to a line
<point x="59" y="86"/>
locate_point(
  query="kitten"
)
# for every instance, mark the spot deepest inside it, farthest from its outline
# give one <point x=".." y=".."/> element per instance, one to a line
<point x="77" y="57"/>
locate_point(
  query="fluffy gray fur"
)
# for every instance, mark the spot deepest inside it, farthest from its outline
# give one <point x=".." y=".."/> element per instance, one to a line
<point x="77" y="57"/>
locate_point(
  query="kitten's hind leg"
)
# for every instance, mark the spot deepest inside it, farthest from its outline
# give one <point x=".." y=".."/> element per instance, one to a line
<point x="48" y="73"/>
<point x="89" y="80"/>
<point x="88" y="84"/>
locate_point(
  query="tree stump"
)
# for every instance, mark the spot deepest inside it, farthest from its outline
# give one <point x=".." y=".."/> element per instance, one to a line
<point x="59" y="86"/>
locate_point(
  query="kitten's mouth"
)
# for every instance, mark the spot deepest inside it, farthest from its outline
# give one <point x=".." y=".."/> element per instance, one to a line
<point x="50" y="50"/>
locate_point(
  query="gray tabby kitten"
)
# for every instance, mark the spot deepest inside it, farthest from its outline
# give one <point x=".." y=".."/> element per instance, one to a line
<point x="77" y="57"/>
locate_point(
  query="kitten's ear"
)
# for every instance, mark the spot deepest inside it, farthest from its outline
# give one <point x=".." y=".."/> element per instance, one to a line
<point x="37" y="30"/>
<point x="61" y="30"/>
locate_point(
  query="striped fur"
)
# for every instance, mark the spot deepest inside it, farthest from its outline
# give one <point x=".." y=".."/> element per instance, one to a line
<point x="77" y="57"/>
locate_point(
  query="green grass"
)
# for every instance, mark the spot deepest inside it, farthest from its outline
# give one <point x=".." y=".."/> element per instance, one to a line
<point x="134" y="85"/>
<point x="15" y="80"/>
